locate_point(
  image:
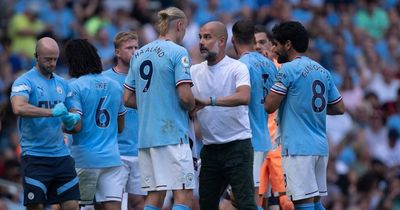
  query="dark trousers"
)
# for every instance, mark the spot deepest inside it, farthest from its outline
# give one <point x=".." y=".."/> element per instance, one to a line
<point x="223" y="164"/>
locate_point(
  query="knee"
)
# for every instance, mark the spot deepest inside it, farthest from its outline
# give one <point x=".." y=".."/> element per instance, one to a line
<point x="183" y="197"/>
<point x="135" y="202"/>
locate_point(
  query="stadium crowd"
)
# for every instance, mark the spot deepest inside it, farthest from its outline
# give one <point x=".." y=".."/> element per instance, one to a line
<point x="357" y="41"/>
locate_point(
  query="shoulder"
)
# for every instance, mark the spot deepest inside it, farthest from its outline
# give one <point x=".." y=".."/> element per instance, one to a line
<point x="197" y="67"/>
<point x="246" y="59"/>
<point x="59" y="78"/>
<point x="107" y="72"/>
<point x="176" y="49"/>
<point x="27" y="76"/>
<point x="234" y="64"/>
<point x="110" y="81"/>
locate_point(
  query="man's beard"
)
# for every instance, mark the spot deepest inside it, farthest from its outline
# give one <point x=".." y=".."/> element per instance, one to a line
<point x="210" y="55"/>
<point x="46" y="70"/>
<point x="283" y="57"/>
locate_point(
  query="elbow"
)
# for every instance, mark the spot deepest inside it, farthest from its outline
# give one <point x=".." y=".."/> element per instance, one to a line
<point x="126" y="102"/>
<point x="121" y="123"/>
<point x="269" y="108"/>
<point x="341" y="110"/>
<point x="187" y="102"/>
<point x="246" y="100"/>
<point x="269" y="111"/>
<point x="17" y="110"/>
<point x="121" y="127"/>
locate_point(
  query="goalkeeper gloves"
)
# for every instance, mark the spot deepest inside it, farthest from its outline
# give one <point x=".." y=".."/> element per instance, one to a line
<point x="70" y="120"/>
<point x="59" y="110"/>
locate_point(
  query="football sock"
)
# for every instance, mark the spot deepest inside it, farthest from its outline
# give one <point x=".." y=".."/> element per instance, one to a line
<point x="150" y="207"/>
<point x="318" y="206"/>
<point x="180" y="207"/>
<point x="304" y="206"/>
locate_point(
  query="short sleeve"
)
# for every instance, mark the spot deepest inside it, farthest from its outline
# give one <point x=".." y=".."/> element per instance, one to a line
<point x="242" y="75"/>
<point x="282" y="81"/>
<point x="182" y="67"/>
<point x="333" y="93"/>
<point x="21" y="87"/>
<point x="271" y="72"/>
<point x="130" y="83"/>
<point x="68" y="98"/>
<point x="74" y="97"/>
<point x="122" y="110"/>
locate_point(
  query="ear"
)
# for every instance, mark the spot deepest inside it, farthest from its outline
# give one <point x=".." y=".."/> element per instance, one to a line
<point x="117" y="51"/>
<point x="179" y="25"/>
<point x="288" y="45"/>
<point x="233" y="40"/>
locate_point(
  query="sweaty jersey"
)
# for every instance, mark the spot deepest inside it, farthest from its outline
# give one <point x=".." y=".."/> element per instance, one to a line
<point x="127" y="140"/>
<point x="155" y="72"/>
<point x="98" y="99"/>
<point x="308" y="89"/>
<point x="262" y="74"/>
<point x="41" y="136"/>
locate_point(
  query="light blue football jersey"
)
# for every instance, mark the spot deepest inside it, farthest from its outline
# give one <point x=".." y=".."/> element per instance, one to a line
<point x="309" y="88"/>
<point x="262" y="75"/>
<point x="41" y="136"/>
<point x="98" y="99"/>
<point x="128" y="139"/>
<point x="155" y="72"/>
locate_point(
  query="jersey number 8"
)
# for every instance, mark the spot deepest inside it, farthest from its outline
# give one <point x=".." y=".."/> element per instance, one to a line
<point x="318" y="89"/>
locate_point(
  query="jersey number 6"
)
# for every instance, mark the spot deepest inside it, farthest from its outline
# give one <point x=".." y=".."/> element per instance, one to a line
<point x="100" y="121"/>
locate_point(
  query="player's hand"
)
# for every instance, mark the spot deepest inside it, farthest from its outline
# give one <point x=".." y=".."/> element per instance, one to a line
<point x="285" y="203"/>
<point x="59" y="110"/>
<point x="70" y="120"/>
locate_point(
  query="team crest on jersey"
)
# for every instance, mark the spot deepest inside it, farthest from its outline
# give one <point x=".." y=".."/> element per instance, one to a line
<point x="59" y="90"/>
<point x="185" y="62"/>
<point x="31" y="196"/>
<point x="189" y="178"/>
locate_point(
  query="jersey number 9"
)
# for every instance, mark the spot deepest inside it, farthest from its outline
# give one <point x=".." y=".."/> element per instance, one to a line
<point x="146" y="76"/>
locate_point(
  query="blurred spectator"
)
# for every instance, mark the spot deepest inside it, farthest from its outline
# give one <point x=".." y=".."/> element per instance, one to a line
<point x="372" y="18"/>
<point x="389" y="151"/>
<point x="24" y="28"/>
<point x="60" y="18"/>
<point x="385" y="85"/>
<point x="99" y="19"/>
<point x="105" y="48"/>
<point x="376" y="133"/>
<point x="393" y="121"/>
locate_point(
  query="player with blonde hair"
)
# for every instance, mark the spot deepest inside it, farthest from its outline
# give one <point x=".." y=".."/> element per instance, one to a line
<point x="158" y="85"/>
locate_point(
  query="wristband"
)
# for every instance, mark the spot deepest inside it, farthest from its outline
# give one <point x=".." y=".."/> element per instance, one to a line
<point x="213" y="100"/>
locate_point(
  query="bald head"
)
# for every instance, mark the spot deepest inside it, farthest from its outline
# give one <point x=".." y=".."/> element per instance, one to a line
<point x="46" y="54"/>
<point x="217" y="28"/>
<point x="46" y="44"/>
<point x="213" y="36"/>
